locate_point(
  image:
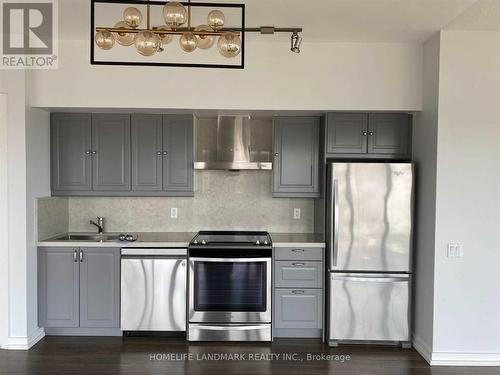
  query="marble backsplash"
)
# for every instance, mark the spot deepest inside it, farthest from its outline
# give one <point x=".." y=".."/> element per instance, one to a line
<point x="223" y="200"/>
<point x="52" y="217"/>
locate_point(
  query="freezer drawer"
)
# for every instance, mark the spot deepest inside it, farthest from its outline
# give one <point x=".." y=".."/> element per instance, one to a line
<point x="369" y="307"/>
<point x="153" y="294"/>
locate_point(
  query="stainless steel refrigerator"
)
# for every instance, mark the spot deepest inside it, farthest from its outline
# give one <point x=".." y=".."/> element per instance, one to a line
<point x="369" y="235"/>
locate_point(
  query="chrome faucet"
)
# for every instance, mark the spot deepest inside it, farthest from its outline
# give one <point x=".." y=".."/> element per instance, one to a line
<point x="99" y="224"/>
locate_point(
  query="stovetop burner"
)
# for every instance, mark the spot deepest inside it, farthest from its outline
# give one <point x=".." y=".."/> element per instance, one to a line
<point x="231" y="239"/>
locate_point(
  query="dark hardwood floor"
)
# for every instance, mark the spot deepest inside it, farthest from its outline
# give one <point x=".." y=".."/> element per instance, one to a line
<point x="133" y="355"/>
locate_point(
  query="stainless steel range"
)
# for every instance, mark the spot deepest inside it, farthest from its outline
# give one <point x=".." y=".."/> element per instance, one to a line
<point x="230" y="286"/>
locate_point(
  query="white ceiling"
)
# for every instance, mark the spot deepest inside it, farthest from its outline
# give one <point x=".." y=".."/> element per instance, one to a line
<point x="322" y="20"/>
<point x="483" y="15"/>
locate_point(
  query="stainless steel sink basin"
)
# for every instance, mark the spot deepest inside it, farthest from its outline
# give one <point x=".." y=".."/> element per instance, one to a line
<point x="88" y="237"/>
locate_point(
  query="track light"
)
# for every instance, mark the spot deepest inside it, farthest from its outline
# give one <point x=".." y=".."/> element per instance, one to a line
<point x="295" y="42"/>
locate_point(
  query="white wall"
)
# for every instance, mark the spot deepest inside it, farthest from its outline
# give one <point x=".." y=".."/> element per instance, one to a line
<point x="425" y="149"/>
<point x="4" y="225"/>
<point x="467" y="290"/>
<point x="37" y="185"/>
<point x="324" y="76"/>
<point x="13" y="83"/>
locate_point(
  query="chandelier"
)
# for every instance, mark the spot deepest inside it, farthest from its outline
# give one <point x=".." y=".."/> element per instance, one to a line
<point x="150" y="40"/>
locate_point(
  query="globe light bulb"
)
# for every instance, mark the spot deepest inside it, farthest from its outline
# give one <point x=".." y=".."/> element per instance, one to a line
<point x="175" y="14"/>
<point x="215" y="19"/>
<point x="188" y="42"/>
<point x="147" y="43"/>
<point x="205" y="41"/>
<point x="165" y="38"/>
<point x="104" y="39"/>
<point x="229" y="44"/>
<point x="132" y="16"/>
<point x="125" y="39"/>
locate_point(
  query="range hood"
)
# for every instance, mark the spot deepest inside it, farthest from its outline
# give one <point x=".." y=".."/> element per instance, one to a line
<point x="233" y="143"/>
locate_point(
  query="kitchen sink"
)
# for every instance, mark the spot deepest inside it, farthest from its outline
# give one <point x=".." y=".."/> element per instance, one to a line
<point x="88" y="237"/>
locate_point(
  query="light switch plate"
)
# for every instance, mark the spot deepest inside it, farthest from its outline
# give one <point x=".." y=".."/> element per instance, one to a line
<point x="454" y="250"/>
<point x="173" y="213"/>
<point x="296" y="213"/>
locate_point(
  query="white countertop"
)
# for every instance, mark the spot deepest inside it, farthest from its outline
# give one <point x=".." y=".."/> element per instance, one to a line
<point x="144" y="239"/>
<point x="182" y="239"/>
<point x="297" y="239"/>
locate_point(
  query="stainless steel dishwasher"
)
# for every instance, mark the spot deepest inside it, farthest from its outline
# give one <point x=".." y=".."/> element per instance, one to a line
<point x="153" y="289"/>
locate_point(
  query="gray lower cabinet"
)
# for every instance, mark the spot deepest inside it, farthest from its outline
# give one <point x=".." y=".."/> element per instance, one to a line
<point x="162" y="154"/>
<point x="78" y="289"/>
<point x="298" y="308"/>
<point x="58" y="287"/>
<point x="368" y="135"/>
<point x="296" y="157"/>
<point x="71" y="152"/>
<point x="298" y="292"/>
<point x="99" y="287"/>
<point x="110" y="152"/>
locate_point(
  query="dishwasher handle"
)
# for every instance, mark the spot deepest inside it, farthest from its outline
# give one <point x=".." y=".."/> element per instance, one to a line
<point x="154" y="252"/>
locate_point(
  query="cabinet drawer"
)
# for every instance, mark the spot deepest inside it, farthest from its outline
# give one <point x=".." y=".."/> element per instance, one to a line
<point x="292" y="274"/>
<point x="298" y="308"/>
<point x="298" y="253"/>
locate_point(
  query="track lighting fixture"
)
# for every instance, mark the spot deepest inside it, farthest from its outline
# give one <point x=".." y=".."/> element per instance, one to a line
<point x="295" y="42"/>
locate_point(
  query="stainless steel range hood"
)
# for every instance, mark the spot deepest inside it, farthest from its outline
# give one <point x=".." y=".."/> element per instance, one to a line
<point x="233" y="143"/>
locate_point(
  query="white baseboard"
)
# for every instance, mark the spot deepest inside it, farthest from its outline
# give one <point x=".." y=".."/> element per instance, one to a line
<point x="423" y="348"/>
<point x="24" y="343"/>
<point x="465" y="359"/>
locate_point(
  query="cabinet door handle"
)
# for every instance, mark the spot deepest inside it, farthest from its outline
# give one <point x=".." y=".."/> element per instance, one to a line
<point x="94" y="152"/>
<point x="81" y="256"/>
<point x="75" y="257"/>
<point x="297" y="292"/>
<point x="165" y="152"/>
<point x="298" y="264"/>
<point x="365" y="133"/>
<point x="370" y="133"/>
<point x="276" y="154"/>
<point x="298" y="250"/>
<point x="159" y="153"/>
<point x="88" y="152"/>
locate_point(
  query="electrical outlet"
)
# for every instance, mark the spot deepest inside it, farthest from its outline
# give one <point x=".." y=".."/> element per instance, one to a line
<point x="296" y="213"/>
<point x="454" y="250"/>
<point x="173" y="213"/>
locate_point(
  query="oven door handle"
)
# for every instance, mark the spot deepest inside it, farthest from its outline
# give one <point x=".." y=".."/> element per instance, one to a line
<point x="240" y="260"/>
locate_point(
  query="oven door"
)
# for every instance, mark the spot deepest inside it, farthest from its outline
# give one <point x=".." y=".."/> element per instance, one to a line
<point x="229" y="290"/>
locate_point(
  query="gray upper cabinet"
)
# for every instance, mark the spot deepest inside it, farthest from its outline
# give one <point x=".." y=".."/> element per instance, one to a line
<point x="71" y="146"/>
<point x="79" y="287"/>
<point x="58" y="283"/>
<point x="111" y="152"/>
<point x="388" y="133"/>
<point x="162" y="154"/>
<point x="147" y="152"/>
<point x="296" y="157"/>
<point x="99" y="287"/>
<point x="122" y="155"/>
<point x="178" y="160"/>
<point x="363" y="135"/>
<point x="346" y="133"/>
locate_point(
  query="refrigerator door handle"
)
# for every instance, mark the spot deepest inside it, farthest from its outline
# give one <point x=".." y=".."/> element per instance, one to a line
<point x="370" y="278"/>
<point x="334" y="234"/>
